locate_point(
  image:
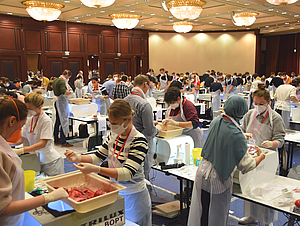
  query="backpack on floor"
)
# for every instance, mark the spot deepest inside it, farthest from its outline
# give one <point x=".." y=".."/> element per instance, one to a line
<point x="83" y="131"/>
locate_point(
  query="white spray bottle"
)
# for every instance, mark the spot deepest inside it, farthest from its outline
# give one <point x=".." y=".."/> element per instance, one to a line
<point x="178" y="158"/>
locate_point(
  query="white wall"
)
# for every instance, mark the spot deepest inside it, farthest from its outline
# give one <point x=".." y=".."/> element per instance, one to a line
<point x="226" y="52"/>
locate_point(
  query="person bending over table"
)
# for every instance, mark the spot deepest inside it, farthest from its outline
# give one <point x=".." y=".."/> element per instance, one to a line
<point x="225" y="149"/>
<point x="126" y="149"/>
<point x="183" y="113"/>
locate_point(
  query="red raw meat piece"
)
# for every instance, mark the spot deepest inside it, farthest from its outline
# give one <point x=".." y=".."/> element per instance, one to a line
<point x="99" y="192"/>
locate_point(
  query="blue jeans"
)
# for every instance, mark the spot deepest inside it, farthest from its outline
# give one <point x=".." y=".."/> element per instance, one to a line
<point x="63" y="139"/>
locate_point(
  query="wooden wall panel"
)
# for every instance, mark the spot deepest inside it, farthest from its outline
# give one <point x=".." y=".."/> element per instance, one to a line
<point x="109" y="44"/>
<point x="55" y="41"/>
<point x="137" y="48"/>
<point x="33" y="40"/>
<point x="145" y="46"/>
<point x="125" y="44"/>
<point x="74" y="42"/>
<point x="8" y="38"/>
<point x="92" y="43"/>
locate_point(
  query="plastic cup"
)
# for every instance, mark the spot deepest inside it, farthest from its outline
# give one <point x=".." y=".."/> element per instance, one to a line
<point x="196" y="154"/>
<point x="29" y="176"/>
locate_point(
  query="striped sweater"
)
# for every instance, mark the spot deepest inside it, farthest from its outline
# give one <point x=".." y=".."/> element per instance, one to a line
<point x="136" y="155"/>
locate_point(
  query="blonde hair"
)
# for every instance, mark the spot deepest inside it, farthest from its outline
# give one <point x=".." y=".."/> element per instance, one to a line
<point x="35" y="98"/>
<point x="120" y="109"/>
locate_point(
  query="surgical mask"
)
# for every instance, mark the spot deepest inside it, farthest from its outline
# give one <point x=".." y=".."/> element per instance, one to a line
<point x="174" y="106"/>
<point x="118" y="129"/>
<point x="115" y="79"/>
<point x="260" y="108"/>
<point x="6" y="85"/>
<point x="192" y="80"/>
<point x="31" y="113"/>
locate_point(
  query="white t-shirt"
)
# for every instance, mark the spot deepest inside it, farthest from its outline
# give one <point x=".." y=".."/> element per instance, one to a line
<point x="284" y="93"/>
<point x="43" y="130"/>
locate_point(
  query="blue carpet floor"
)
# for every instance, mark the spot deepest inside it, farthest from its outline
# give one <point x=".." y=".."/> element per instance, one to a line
<point x="169" y="183"/>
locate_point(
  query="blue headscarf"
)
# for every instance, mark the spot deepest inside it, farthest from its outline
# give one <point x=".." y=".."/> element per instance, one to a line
<point x="225" y="144"/>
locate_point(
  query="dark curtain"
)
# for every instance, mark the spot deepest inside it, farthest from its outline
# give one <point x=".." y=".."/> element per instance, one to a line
<point x="272" y="45"/>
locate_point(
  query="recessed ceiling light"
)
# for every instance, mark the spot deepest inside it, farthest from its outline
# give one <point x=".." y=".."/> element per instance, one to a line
<point x="217" y="13"/>
<point x="170" y="16"/>
<point x="224" y="29"/>
<point x="246" y="4"/>
<point x="286" y="23"/>
<point x="56" y="19"/>
<point x="127" y="5"/>
<point x="283" y="12"/>
<point x="132" y="11"/>
<point x="147" y="0"/>
<point x="171" y="20"/>
<point x="210" y="22"/>
<point x="76" y="17"/>
<point x="9" y="13"/>
<point x="201" y="30"/>
<point x="270" y="9"/>
<point x="248" y="28"/>
<point x="155" y="23"/>
<point x="88" y="14"/>
<point x="195" y="20"/>
<point x="67" y="1"/>
<point x="142" y="25"/>
<point x="102" y="11"/>
<point x="267" y="26"/>
<point x="137" y="3"/>
<point x="78" y="21"/>
<point x="152" y="14"/>
<point x="223" y="24"/>
<point x="111" y="25"/>
<point x="156" y="29"/>
<point x="240" y="10"/>
<point x="296" y="15"/>
<point x="161" y="15"/>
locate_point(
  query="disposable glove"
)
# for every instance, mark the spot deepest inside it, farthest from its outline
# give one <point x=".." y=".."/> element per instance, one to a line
<point x="170" y="122"/>
<point x="267" y="144"/>
<point x="159" y="127"/>
<point x="55" y="195"/>
<point x="248" y="135"/>
<point x="72" y="156"/>
<point x="101" y="96"/>
<point x="87" y="168"/>
<point x="259" y="151"/>
<point x="97" y="96"/>
<point x="19" y="151"/>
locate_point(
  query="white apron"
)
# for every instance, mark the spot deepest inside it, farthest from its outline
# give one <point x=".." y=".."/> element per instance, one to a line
<point x="219" y="190"/>
<point x="63" y="112"/>
<point x="216" y="101"/>
<point x="261" y="132"/>
<point x="196" y="134"/>
<point x="285" y="106"/>
<point x="101" y="102"/>
<point x="137" y="198"/>
<point x="163" y="83"/>
<point x="78" y="92"/>
<point x="18" y="185"/>
<point x="239" y="88"/>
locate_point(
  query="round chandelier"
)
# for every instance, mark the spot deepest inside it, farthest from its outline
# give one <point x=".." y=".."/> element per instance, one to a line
<point x="43" y="11"/>
<point x="281" y="2"/>
<point x="243" y="19"/>
<point x="185" y="9"/>
<point x="124" y="21"/>
<point x="183" y="27"/>
<point x="97" y="3"/>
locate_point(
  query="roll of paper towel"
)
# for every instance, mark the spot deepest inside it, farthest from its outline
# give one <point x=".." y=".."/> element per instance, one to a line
<point x="187" y="154"/>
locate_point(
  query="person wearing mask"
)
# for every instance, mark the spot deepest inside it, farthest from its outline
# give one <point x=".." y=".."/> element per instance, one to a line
<point x="143" y="118"/>
<point x="293" y="76"/>
<point x="6" y="85"/>
<point x="221" y="157"/>
<point x="121" y="90"/>
<point x="254" y="86"/>
<point x="78" y="86"/>
<point x="239" y="80"/>
<point x="266" y="127"/>
<point x="189" y="88"/>
<point x="17" y="84"/>
<point x="152" y="78"/>
<point x="196" y="82"/>
<point x="38" y="131"/>
<point x="13" y="115"/>
<point x="44" y="81"/>
<point x="109" y="85"/>
<point x="125" y="149"/>
<point x="164" y="80"/>
<point x="215" y="90"/>
<point x="286" y="79"/>
<point x="183" y="113"/>
<point x="60" y="114"/>
<point x="283" y="97"/>
<point x="80" y="73"/>
<point x="99" y="95"/>
<point x="230" y="84"/>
